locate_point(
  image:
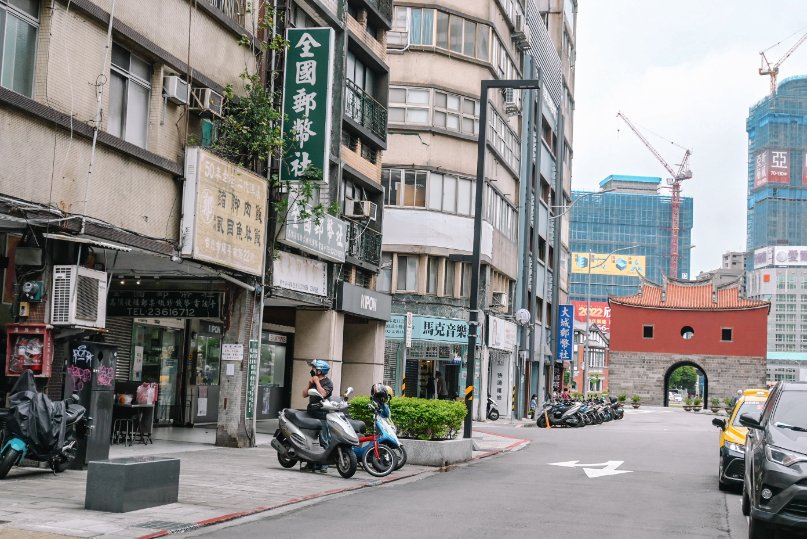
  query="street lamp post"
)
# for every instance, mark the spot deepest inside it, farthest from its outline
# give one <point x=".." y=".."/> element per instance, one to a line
<point x="473" y="311"/>
<point x="588" y="310"/>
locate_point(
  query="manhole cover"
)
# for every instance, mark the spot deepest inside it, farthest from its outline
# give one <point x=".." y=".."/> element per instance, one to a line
<point x="164" y="525"/>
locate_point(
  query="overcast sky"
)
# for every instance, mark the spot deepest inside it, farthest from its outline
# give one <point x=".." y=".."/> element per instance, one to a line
<point x="687" y="70"/>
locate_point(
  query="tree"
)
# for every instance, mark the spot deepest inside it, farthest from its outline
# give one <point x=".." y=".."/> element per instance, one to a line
<point x="685" y="377"/>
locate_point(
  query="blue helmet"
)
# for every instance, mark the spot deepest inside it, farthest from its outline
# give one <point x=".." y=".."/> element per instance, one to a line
<point x="321" y="365"/>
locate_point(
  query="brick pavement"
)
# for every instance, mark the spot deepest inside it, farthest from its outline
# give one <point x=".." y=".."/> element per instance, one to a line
<point x="216" y="484"/>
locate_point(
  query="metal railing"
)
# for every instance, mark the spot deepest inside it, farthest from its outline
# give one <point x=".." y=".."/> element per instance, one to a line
<point x="234" y="9"/>
<point x="383" y="6"/>
<point x="361" y="107"/>
<point x="364" y="243"/>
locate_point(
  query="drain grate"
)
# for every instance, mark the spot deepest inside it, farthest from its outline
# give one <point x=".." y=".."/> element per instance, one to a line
<point x="166" y="525"/>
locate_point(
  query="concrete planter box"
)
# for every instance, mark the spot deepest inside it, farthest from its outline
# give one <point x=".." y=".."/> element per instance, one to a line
<point x="441" y="453"/>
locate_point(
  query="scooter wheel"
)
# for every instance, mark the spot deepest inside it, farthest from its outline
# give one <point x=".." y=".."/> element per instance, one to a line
<point x="400" y="455"/>
<point x="381" y="466"/>
<point x="346" y="462"/>
<point x="286" y="462"/>
<point x="541" y="421"/>
<point x="8" y="459"/>
<point x="493" y="415"/>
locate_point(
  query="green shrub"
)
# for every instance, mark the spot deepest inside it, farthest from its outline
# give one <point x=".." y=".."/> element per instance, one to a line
<point x="715" y="402"/>
<point x="698" y="401"/>
<point x="729" y="401"/>
<point x="421" y="419"/>
<point x="622" y="397"/>
<point x="635" y="399"/>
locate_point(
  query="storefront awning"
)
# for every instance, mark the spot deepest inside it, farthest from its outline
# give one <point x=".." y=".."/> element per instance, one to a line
<point x="87" y="241"/>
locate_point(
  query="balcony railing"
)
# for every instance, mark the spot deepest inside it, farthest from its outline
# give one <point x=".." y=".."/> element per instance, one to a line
<point x="234" y="9"/>
<point x="383" y="6"/>
<point x="364" y="244"/>
<point x="366" y="111"/>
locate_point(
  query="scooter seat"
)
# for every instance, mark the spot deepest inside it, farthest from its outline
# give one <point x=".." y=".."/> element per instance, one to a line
<point x="74" y="413"/>
<point x="302" y="419"/>
<point x="358" y="426"/>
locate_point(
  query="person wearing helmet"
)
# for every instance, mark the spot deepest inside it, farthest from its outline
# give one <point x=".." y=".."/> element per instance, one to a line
<point x="319" y="380"/>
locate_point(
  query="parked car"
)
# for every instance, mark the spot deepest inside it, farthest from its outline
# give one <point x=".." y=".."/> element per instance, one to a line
<point x="732" y="438"/>
<point x="775" y="487"/>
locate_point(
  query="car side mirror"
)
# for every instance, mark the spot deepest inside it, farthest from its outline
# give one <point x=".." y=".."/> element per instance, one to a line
<point x="313" y="393"/>
<point x="750" y="420"/>
<point x="717" y="422"/>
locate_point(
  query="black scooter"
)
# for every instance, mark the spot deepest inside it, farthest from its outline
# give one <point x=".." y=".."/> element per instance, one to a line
<point x="39" y="429"/>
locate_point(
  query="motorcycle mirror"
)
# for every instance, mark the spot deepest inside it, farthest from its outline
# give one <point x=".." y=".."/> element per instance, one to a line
<point x="349" y="391"/>
<point x="313" y="393"/>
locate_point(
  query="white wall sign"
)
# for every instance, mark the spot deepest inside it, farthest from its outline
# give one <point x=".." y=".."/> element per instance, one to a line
<point x="300" y="274"/>
<point x="232" y="352"/>
<point x="501" y="334"/>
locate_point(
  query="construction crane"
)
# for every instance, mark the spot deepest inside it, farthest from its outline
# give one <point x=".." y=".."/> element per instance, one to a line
<point x="675" y="180"/>
<point x="773" y="70"/>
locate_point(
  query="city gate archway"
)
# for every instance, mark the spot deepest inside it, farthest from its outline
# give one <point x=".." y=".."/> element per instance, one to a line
<point x="700" y="387"/>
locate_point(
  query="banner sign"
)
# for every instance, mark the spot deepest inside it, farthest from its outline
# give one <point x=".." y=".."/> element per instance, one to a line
<point x="772" y="166"/>
<point x="563" y="350"/>
<point x="301" y="274"/>
<point x="223" y="213"/>
<point x="605" y="264"/>
<point x="599" y="314"/>
<point x="501" y="334"/>
<point x="781" y="255"/>
<point x="428" y="328"/>
<point x="252" y="382"/>
<point x="164" y="304"/>
<point x="326" y="239"/>
<point x="363" y="302"/>
<point x="307" y="102"/>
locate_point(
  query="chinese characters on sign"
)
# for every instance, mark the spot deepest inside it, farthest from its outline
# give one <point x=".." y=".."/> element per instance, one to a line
<point x="162" y="303"/>
<point x="300" y="274"/>
<point x="224" y="213"/>
<point x="785" y="255"/>
<point x="600" y="314"/>
<point x="326" y="240"/>
<point x="563" y="350"/>
<point x="772" y="166"/>
<point x="602" y="264"/>
<point x="428" y="328"/>
<point x="307" y="102"/>
<point x="252" y="382"/>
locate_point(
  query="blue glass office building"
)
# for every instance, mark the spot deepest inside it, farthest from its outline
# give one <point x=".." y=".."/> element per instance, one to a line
<point x="628" y="210"/>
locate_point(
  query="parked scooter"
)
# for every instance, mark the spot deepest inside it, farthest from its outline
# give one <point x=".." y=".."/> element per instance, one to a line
<point x="297" y="437"/>
<point x="39" y="429"/>
<point x="616" y="407"/>
<point x="492" y="410"/>
<point x="564" y="414"/>
<point x="378" y="457"/>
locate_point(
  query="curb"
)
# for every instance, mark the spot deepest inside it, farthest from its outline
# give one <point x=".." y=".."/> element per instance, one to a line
<point x="520" y="443"/>
<point x="262" y="509"/>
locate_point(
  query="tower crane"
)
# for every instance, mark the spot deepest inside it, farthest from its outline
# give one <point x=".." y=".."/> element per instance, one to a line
<point x="677" y="177"/>
<point x="773" y="70"/>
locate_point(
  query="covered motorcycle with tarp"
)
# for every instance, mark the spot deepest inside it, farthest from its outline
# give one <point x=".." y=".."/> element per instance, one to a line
<point x="39" y="429"/>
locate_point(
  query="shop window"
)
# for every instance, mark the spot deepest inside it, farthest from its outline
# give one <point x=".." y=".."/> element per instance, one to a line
<point x="647" y="332"/>
<point x="407" y="273"/>
<point x="208" y="360"/>
<point x="18" y="27"/>
<point x="687" y="333"/>
<point x="726" y="334"/>
<point x="129" y="92"/>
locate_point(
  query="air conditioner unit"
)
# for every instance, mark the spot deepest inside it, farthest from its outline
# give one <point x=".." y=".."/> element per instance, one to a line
<point x="519" y="34"/>
<point x="175" y="89"/>
<point x="511" y="105"/>
<point x="500" y="299"/>
<point x="397" y="39"/>
<point x="363" y="209"/>
<point x="78" y="297"/>
<point x="206" y="100"/>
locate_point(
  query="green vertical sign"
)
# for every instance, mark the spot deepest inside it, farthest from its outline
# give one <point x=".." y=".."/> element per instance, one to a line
<point x="252" y="374"/>
<point x="307" y="102"/>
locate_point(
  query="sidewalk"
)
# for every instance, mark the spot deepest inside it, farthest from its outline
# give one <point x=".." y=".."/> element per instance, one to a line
<point x="216" y="485"/>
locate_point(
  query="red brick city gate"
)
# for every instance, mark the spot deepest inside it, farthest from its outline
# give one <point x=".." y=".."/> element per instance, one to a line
<point x="686" y="323"/>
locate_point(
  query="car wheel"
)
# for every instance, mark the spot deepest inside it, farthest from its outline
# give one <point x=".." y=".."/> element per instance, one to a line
<point x="758" y="529"/>
<point x="746" y="505"/>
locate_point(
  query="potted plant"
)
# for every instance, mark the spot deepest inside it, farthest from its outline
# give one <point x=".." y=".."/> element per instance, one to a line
<point x="697" y="402"/>
<point x="688" y="404"/>
<point x="728" y="405"/>
<point x="635" y="400"/>
<point x="715" y="405"/>
<point x="622" y="397"/>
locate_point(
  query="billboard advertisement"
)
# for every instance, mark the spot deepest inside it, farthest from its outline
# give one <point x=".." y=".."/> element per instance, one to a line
<point x="604" y="264"/>
<point x="599" y="314"/>
<point x="771" y="166"/>
<point x="781" y="255"/>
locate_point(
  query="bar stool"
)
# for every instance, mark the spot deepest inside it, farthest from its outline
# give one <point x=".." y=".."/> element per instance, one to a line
<point x="123" y="431"/>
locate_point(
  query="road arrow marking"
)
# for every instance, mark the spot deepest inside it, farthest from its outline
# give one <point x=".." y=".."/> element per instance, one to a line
<point x="609" y="468"/>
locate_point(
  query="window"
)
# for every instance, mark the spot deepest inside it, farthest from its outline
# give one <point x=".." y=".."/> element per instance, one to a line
<point x="427" y="106"/>
<point x="449" y="284"/>
<point x="407" y="273"/>
<point x="466" y="281"/>
<point x="18" y="27"/>
<point x="647" y="332"/>
<point x="504" y="140"/>
<point x="431" y="278"/>
<point x="129" y="92"/>
<point x="424" y="189"/>
<point x="385" y="273"/>
<point x="687" y="333"/>
<point x="726" y="334"/>
<point x="421" y="27"/>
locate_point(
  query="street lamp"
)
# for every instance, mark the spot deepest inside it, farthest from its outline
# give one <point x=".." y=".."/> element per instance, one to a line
<point x="473" y="311"/>
<point x="588" y="310"/>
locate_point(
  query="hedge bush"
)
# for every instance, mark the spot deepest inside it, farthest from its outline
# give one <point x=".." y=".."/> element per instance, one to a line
<point x="421" y="419"/>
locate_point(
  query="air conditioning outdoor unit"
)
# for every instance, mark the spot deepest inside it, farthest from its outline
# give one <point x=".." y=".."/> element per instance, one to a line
<point x="519" y="35"/>
<point x="363" y="209"/>
<point x="500" y="299"/>
<point x="511" y="105"/>
<point x="397" y="39"/>
<point x="78" y="297"/>
<point x="175" y="89"/>
<point x="206" y="100"/>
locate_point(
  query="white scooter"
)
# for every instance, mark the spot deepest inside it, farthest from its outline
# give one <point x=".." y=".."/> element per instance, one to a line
<point x="493" y="410"/>
<point x="297" y="437"/>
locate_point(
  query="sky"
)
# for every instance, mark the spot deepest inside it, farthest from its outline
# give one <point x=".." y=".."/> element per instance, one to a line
<point x="686" y="70"/>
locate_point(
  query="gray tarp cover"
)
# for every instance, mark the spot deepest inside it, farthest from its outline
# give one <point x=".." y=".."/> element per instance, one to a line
<point x="36" y="419"/>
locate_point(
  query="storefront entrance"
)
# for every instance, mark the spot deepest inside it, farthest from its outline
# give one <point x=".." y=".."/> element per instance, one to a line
<point x="156" y="351"/>
<point x="274" y="378"/>
<point x="206" y="373"/>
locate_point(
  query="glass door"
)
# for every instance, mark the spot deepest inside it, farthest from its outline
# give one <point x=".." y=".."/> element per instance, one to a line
<point x="273" y="395"/>
<point x="160" y="348"/>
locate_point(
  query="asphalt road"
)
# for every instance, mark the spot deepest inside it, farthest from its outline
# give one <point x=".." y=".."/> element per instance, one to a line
<point x="671" y="490"/>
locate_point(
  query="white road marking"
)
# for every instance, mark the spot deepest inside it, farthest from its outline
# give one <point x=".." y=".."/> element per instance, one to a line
<point x="609" y="468"/>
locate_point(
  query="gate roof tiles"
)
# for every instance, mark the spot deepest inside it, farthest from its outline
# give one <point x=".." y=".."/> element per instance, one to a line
<point x="702" y="294"/>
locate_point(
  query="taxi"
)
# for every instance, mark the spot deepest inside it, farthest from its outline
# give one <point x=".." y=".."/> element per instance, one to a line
<point x="732" y="438"/>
